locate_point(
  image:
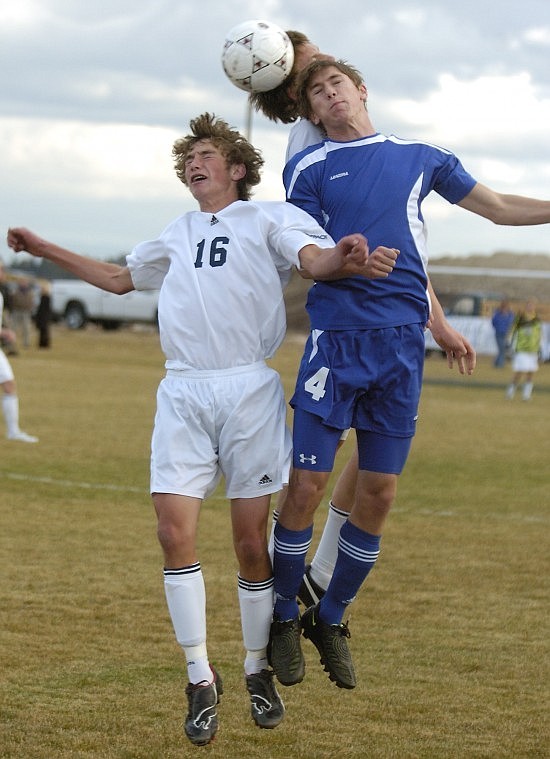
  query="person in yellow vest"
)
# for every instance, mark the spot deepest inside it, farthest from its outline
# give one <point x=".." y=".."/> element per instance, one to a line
<point x="526" y="337"/>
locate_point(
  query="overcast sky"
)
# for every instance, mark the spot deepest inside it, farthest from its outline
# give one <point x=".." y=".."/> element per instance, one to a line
<point x="92" y="96"/>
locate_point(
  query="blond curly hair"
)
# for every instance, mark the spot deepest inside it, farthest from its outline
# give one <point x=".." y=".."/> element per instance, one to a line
<point x="231" y="144"/>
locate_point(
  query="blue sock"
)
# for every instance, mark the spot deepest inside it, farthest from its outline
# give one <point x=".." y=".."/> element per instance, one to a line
<point x="289" y="562"/>
<point x="357" y="554"/>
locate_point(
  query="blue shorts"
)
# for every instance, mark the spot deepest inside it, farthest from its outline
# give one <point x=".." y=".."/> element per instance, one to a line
<point x="366" y="379"/>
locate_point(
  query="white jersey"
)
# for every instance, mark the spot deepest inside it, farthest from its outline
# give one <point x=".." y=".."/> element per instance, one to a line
<point x="221" y="280"/>
<point x="302" y="135"/>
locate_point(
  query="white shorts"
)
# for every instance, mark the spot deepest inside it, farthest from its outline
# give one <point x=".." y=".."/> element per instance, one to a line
<point x="525" y="362"/>
<point x="230" y="423"/>
<point x="6" y="372"/>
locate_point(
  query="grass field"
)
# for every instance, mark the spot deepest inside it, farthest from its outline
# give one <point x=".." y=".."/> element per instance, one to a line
<point x="450" y="635"/>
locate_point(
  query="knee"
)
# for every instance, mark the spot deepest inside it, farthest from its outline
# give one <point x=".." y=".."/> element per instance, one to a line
<point x="251" y="550"/>
<point x="378" y="493"/>
<point x="173" y="538"/>
<point x="167" y="536"/>
<point x="305" y="492"/>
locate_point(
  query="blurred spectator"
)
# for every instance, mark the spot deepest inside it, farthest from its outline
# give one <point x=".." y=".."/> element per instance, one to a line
<point x="503" y="318"/>
<point x="7" y="344"/>
<point x="526" y="340"/>
<point x="43" y="315"/>
<point x="10" y="401"/>
<point x="6" y="294"/>
<point x="22" y="308"/>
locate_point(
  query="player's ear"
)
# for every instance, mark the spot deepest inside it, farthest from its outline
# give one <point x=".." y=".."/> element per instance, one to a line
<point x="238" y="171"/>
<point x="364" y="93"/>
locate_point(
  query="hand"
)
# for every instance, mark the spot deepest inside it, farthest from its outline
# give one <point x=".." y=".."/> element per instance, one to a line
<point x="381" y="262"/>
<point x="20" y="239"/>
<point x="355" y="249"/>
<point x="456" y="347"/>
<point x="358" y="261"/>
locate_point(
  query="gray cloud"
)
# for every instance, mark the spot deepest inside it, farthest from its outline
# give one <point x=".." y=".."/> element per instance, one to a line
<point x="151" y="63"/>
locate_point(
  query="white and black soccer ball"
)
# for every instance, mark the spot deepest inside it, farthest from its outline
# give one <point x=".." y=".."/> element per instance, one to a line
<point x="257" y="56"/>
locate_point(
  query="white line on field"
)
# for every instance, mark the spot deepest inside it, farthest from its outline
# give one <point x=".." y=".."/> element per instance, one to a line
<point x="71" y="484"/>
<point x="528" y="518"/>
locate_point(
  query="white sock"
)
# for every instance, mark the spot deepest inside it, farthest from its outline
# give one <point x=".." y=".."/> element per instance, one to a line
<point x="255" y="661"/>
<point x="527" y="390"/>
<point x="256" y="603"/>
<point x="10" y="409"/>
<point x="198" y="666"/>
<point x="186" y="599"/>
<point x="322" y="565"/>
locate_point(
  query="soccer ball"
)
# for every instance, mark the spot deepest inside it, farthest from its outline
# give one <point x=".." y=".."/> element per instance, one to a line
<point x="257" y="56"/>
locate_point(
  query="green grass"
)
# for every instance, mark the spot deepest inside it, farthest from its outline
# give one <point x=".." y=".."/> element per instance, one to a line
<point x="449" y="635"/>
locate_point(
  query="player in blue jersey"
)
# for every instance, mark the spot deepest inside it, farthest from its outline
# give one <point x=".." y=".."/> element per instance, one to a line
<point x="281" y="105"/>
<point x="362" y="365"/>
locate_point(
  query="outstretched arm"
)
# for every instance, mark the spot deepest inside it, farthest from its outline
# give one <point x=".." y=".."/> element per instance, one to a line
<point x="512" y="210"/>
<point x="107" y="276"/>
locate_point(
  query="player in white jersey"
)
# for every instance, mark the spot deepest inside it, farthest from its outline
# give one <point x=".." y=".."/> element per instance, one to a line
<point x="363" y="362"/>
<point x="220" y="409"/>
<point x="10" y="400"/>
<point x="281" y="105"/>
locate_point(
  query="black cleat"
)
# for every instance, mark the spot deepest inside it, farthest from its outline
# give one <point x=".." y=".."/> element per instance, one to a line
<point x="284" y="651"/>
<point x="267" y="707"/>
<point x="201" y="723"/>
<point x="310" y="592"/>
<point x="330" y="641"/>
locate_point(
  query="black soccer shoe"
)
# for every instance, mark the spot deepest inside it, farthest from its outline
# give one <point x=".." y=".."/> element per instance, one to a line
<point x="330" y="641"/>
<point x="201" y="723"/>
<point x="284" y="651"/>
<point x="266" y="707"/>
<point x="310" y="592"/>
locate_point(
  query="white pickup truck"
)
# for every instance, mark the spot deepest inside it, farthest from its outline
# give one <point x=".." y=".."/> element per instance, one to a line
<point x="78" y="302"/>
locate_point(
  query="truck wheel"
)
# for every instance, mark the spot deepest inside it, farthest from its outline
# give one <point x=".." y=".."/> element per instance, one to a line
<point x="75" y="316"/>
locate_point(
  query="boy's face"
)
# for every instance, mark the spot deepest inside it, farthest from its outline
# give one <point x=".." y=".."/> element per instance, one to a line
<point x="208" y="175"/>
<point x="333" y="97"/>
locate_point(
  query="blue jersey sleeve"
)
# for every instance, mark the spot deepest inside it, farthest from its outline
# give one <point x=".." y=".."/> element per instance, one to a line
<point x="452" y="181"/>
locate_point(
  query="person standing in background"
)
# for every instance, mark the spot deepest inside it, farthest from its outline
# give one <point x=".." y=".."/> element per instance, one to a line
<point x="10" y="401"/>
<point x="22" y="305"/>
<point x="43" y="316"/>
<point x="526" y="338"/>
<point x="7" y="344"/>
<point x="503" y="318"/>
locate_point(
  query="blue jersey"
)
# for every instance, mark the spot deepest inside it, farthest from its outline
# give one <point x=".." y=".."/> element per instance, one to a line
<point x="374" y="185"/>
